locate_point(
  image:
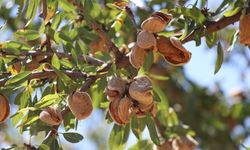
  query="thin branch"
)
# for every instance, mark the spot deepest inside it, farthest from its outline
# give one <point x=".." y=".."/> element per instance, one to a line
<point x="132" y="17"/>
<point x="98" y="28"/>
<point x="88" y="59"/>
<point x="214" y="26"/>
<point x="49" y="74"/>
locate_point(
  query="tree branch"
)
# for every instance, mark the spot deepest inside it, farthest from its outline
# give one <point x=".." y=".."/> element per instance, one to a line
<point x="49" y="74"/>
<point x="88" y="59"/>
<point x="214" y="26"/>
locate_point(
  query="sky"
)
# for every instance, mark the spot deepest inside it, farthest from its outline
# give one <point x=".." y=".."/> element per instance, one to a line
<point x="200" y="69"/>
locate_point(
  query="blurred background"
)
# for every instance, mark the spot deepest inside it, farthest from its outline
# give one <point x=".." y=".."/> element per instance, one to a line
<point x="215" y="106"/>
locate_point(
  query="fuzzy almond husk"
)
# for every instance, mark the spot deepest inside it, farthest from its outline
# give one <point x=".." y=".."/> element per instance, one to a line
<point x="154" y="24"/>
<point x="4" y="108"/>
<point x="115" y="88"/>
<point x="137" y="56"/>
<point x="113" y="112"/>
<point x="124" y="111"/>
<point x="80" y="104"/>
<point x="51" y="116"/>
<point x="141" y="90"/>
<point x="146" y="40"/>
<point x="173" y="51"/>
<point x="244" y="30"/>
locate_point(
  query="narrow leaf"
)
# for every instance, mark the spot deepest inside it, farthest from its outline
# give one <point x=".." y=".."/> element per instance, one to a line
<point x="152" y="130"/>
<point x="219" y="59"/>
<point x="73" y="137"/>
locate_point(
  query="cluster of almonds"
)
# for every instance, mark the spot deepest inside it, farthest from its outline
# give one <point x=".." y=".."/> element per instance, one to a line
<point x="128" y="99"/>
<point x="179" y="143"/>
<point x="171" y="48"/>
<point x="244" y="29"/>
<point x="79" y="103"/>
<point x="4" y="108"/>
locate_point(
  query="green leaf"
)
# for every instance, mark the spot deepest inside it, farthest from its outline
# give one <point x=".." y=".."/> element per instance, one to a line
<point x="27" y="34"/>
<point x="118" y="137"/>
<point x="219" y="59"/>
<point x="147" y="63"/>
<point x="142" y="145"/>
<point x="193" y="13"/>
<point x="73" y="137"/>
<point x="157" y="77"/>
<point x="119" y="21"/>
<point x="232" y="12"/>
<point x="32" y="9"/>
<point x="47" y="101"/>
<point x="232" y="40"/>
<point x="159" y="92"/>
<point x="152" y="130"/>
<point x="210" y="39"/>
<point x="19" y="78"/>
<point x="16" y="118"/>
<point x="29" y="121"/>
<point x="88" y="7"/>
<point x="67" y="6"/>
<point x="137" y="126"/>
<point x="55" y="61"/>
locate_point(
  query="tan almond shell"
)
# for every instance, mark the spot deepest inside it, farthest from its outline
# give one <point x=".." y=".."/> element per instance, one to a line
<point x="113" y="112"/>
<point x="80" y="104"/>
<point x="4" y="108"/>
<point x="137" y="56"/>
<point x="146" y="40"/>
<point x="245" y="30"/>
<point x="154" y="24"/>
<point x="141" y="90"/>
<point x="124" y="109"/>
<point x="173" y="51"/>
<point x="116" y="88"/>
<point x="51" y="116"/>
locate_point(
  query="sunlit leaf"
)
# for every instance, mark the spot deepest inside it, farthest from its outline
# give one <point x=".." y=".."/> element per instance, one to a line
<point x="219" y="60"/>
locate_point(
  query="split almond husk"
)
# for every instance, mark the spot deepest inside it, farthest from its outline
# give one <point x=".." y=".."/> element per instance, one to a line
<point x="80" y="104"/>
<point x="146" y="40"/>
<point x="157" y="22"/>
<point x="4" y="108"/>
<point x="141" y="90"/>
<point x="137" y="56"/>
<point x="244" y="30"/>
<point x="173" y="51"/>
<point x="113" y="112"/>
<point x="116" y="88"/>
<point x="51" y="116"/>
<point x="124" y="111"/>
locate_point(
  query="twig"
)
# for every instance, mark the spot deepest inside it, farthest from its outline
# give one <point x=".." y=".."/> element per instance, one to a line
<point x="88" y="59"/>
<point x="102" y="34"/>
<point x="131" y="16"/>
<point x="49" y="74"/>
<point x="214" y="26"/>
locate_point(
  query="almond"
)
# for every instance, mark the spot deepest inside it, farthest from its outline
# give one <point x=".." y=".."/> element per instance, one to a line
<point x="137" y="56"/>
<point x="80" y="104"/>
<point x="146" y="40"/>
<point x="4" y="108"/>
<point x="51" y="116"/>
<point x="124" y="111"/>
<point x="173" y="51"/>
<point x="244" y="30"/>
<point x="115" y="88"/>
